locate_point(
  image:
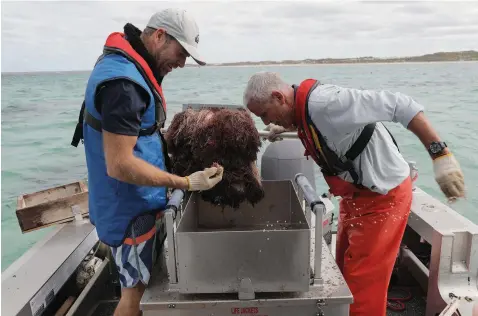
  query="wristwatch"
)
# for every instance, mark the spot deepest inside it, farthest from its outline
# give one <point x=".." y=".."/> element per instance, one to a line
<point x="436" y="148"/>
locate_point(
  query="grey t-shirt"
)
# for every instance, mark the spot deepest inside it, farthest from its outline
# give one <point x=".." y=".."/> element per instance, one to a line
<point x="341" y="113"/>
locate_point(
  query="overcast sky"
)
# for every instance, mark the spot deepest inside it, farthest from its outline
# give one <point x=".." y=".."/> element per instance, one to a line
<point x="68" y="35"/>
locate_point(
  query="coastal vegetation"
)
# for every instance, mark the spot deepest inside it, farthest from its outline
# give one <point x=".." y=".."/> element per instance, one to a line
<point x="470" y="55"/>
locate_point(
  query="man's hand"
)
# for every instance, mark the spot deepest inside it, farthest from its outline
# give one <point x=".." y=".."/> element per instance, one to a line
<point x="449" y="176"/>
<point x="448" y="173"/>
<point x="275" y="131"/>
<point x="206" y="179"/>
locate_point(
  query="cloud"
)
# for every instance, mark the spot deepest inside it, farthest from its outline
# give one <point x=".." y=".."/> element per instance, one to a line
<point x="68" y="35"/>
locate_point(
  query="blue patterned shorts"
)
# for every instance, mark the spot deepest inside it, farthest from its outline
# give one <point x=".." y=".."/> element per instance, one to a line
<point x="136" y="256"/>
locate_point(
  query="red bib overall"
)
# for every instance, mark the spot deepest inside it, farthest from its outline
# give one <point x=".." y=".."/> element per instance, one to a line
<point x="371" y="225"/>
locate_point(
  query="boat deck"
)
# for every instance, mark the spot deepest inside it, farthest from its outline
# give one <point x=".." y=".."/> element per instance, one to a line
<point x="414" y="307"/>
<point x="158" y="295"/>
<point x="402" y="285"/>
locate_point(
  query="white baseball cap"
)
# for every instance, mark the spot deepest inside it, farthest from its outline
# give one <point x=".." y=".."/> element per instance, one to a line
<point x="182" y="26"/>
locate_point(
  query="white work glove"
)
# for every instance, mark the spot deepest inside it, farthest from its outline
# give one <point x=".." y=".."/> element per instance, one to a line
<point x="274" y="132"/>
<point x="449" y="176"/>
<point x="474" y="312"/>
<point x="205" y="179"/>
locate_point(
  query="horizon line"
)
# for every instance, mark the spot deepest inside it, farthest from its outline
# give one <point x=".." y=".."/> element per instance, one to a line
<point x="279" y="62"/>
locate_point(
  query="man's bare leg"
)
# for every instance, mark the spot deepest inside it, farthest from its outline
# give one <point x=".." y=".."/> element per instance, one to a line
<point x="129" y="302"/>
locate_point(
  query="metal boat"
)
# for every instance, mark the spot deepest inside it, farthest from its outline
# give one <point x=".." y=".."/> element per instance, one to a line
<point x="274" y="259"/>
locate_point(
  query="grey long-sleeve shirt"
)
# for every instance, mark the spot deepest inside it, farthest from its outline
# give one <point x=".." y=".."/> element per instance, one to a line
<point x="341" y="113"/>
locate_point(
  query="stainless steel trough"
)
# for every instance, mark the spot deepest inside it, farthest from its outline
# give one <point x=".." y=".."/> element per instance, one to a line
<point x="261" y="248"/>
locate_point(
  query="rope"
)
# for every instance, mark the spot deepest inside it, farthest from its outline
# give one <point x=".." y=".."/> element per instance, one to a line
<point x="397" y="302"/>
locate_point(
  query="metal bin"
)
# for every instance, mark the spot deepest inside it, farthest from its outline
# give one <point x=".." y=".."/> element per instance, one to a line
<point x="265" y="247"/>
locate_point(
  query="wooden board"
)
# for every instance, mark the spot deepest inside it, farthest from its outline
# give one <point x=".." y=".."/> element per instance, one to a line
<point x="52" y="206"/>
<point x="66" y="306"/>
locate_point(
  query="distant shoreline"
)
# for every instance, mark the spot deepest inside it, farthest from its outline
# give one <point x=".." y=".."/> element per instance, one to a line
<point x="461" y="56"/>
<point x="332" y="64"/>
<point x="440" y="57"/>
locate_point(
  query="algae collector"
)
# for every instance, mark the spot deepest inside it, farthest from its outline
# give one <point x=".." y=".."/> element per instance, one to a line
<point x="218" y="137"/>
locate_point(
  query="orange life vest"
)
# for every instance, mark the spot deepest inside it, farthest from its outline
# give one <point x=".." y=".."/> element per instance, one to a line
<point x="116" y="43"/>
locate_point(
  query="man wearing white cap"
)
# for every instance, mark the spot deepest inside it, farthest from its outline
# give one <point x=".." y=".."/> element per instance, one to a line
<point x="181" y="26"/>
<point x="126" y="156"/>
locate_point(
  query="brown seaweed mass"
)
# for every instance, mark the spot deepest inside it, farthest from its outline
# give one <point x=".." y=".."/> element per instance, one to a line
<point x="199" y="138"/>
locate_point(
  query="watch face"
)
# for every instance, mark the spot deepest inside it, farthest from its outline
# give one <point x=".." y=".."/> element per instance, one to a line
<point x="435" y="148"/>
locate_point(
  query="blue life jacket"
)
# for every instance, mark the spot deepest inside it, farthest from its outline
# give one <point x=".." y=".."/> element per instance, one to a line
<point x="114" y="204"/>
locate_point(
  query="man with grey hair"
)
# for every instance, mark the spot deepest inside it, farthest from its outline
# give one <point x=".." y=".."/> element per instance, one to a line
<point x="126" y="155"/>
<point x="342" y="130"/>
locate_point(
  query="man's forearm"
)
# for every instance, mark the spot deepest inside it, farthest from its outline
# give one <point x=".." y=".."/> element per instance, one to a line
<point x="424" y="130"/>
<point x="137" y="171"/>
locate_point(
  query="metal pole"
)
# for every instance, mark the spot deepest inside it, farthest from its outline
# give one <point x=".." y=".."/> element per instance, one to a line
<point x="287" y="135"/>
<point x="318" y="207"/>
<point x="171" y="255"/>
<point x="319" y="210"/>
<point x="170" y="215"/>
<point x="262" y="133"/>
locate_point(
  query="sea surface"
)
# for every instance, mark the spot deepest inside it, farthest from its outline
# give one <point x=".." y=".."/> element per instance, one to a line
<point x="40" y="110"/>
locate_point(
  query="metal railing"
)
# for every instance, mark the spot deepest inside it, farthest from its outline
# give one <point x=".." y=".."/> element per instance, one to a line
<point x="287" y="135"/>
<point x="262" y="134"/>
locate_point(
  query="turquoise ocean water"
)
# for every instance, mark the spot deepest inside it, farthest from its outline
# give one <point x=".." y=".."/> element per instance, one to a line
<point x="40" y="110"/>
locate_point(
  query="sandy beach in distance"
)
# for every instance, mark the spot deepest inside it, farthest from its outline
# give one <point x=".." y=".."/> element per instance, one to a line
<point x="336" y="64"/>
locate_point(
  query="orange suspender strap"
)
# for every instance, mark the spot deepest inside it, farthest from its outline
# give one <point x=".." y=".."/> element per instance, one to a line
<point x="310" y="139"/>
<point x="116" y="40"/>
